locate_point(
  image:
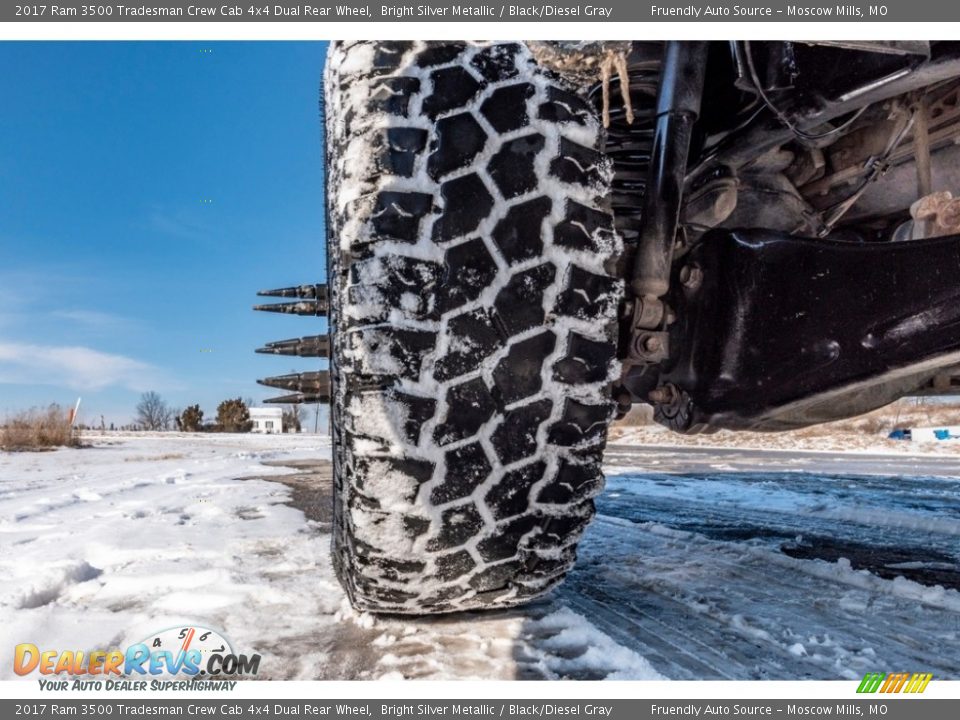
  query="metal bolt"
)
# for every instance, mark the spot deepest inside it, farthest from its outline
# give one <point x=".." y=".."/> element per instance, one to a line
<point x="660" y="395"/>
<point x="691" y="276"/>
<point x="652" y="344"/>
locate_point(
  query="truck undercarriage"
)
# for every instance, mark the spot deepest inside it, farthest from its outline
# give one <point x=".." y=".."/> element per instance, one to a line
<point x="764" y="192"/>
<point x="526" y="239"/>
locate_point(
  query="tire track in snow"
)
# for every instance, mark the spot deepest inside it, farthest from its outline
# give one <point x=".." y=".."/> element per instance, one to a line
<point x="702" y="608"/>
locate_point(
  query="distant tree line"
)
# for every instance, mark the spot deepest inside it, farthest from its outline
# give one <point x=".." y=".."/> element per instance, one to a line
<point x="233" y="415"/>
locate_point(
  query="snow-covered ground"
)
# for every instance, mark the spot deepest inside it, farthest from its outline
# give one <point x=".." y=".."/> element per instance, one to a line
<point x="814" y="439"/>
<point x="101" y="547"/>
<point x="701" y="564"/>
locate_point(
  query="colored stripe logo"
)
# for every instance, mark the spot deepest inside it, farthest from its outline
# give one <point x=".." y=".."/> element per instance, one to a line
<point x="894" y="682"/>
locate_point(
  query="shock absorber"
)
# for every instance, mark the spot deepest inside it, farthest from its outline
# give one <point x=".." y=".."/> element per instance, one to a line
<point x="649" y="162"/>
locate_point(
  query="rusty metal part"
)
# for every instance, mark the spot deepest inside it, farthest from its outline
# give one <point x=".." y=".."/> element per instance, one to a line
<point x="875" y="168"/>
<point x="921" y="149"/>
<point x="648" y="346"/>
<point x="672" y="407"/>
<point x="648" y="313"/>
<point x="711" y="201"/>
<point x="943" y="127"/>
<point x="936" y="215"/>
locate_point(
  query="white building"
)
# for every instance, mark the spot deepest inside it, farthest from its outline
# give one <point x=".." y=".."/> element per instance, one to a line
<point x="266" y="419"/>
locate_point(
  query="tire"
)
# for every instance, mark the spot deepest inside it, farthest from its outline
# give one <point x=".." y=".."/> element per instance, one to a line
<point x="473" y="316"/>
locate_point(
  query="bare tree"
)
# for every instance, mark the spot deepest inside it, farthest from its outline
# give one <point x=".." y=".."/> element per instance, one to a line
<point x="153" y="413"/>
<point x="293" y="417"/>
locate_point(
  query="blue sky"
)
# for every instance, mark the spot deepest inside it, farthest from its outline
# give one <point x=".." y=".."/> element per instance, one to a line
<point x="147" y="191"/>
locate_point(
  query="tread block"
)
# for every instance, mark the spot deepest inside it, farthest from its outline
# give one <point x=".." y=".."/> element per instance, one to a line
<point x="415" y="526"/>
<point x="519" y="235"/>
<point x="398" y="570"/>
<point x="468" y="270"/>
<point x="441" y="598"/>
<point x="563" y="529"/>
<point x="496" y="576"/>
<point x="467" y="467"/>
<point x="519" y="374"/>
<point x="549" y="567"/>
<point x="401" y="148"/>
<point x="466" y="202"/>
<point x="512" y="168"/>
<point x="474" y="338"/>
<point x="469" y="406"/>
<point x="419" y="410"/>
<point x="516" y="437"/>
<point x="506" y="108"/>
<point x="510" y="497"/>
<point x="380" y="284"/>
<point x="497" y="62"/>
<point x="504" y="543"/>
<point x="586" y="361"/>
<point x="564" y="107"/>
<point x="390" y="351"/>
<point x="457" y="526"/>
<point x="452" y="88"/>
<point x="584" y="228"/>
<point x="404" y="476"/>
<point x="588" y="296"/>
<point x="520" y="304"/>
<point x="580" y="424"/>
<point x="389" y="55"/>
<point x="392" y="95"/>
<point x="459" y="139"/>
<point x="397" y="215"/>
<point x="454" y="565"/>
<point x="386" y="594"/>
<point x="574" y="482"/>
<point x="578" y="165"/>
<point x="440" y="54"/>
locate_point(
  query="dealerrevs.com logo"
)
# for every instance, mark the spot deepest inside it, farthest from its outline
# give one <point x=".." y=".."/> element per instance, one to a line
<point x="174" y="659"/>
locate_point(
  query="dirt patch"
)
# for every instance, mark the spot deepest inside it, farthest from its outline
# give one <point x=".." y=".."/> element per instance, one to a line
<point x="311" y="486"/>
